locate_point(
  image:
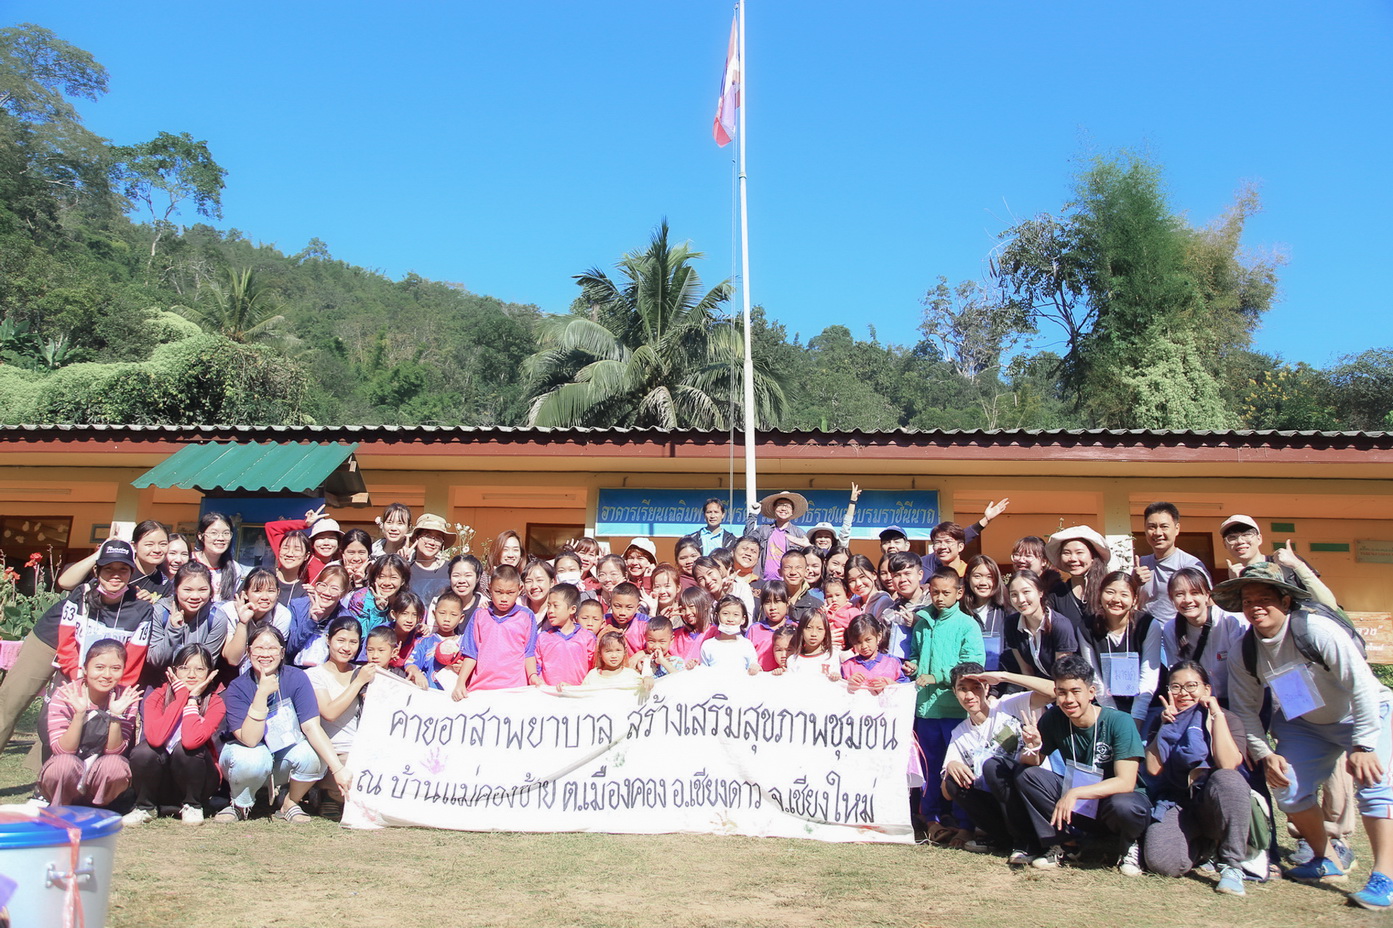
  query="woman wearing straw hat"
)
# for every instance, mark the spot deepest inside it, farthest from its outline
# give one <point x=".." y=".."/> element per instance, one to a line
<point x="777" y="538"/>
<point x="430" y="572"/>
<point x="1083" y="554"/>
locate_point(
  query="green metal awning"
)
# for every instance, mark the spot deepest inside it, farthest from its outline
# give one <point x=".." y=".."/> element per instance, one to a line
<point x="267" y="467"/>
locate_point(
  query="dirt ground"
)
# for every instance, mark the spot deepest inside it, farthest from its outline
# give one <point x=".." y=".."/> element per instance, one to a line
<point x="263" y="873"/>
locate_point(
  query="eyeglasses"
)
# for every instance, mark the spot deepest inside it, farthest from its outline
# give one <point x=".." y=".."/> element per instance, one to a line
<point x="1243" y="536"/>
<point x="1192" y="688"/>
<point x="265" y="649"/>
<point x="218" y="536"/>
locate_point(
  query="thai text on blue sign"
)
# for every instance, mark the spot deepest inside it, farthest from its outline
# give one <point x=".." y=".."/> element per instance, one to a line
<point x="673" y="513"/>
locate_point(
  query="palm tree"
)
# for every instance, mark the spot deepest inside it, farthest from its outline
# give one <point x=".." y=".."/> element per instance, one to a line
<point x="653" y="351"/>
<point x="241" y="309"/>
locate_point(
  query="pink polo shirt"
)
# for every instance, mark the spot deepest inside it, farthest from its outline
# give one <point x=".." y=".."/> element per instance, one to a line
<point x="635" y="633"/>
<point x="882" y="666"/>
<point x="500" y="644"/>
<point x="762" y="637"/>
<point x="565" y="658"/>
<point x="686" y="642"/>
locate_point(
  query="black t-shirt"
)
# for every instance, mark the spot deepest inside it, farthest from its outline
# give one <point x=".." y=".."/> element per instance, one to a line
<point x="430" y="583"/>
<point x="1059" y="638"/>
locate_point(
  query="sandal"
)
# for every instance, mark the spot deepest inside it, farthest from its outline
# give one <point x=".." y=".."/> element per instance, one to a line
<point x="293" y="814"/>
<point x="230" y="813"/>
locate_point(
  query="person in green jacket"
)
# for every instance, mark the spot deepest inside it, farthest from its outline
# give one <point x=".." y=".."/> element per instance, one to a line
<point x="944" y="636"/>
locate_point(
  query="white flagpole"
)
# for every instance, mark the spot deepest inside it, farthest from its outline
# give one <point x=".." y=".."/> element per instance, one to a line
<point x="750" y="483"/>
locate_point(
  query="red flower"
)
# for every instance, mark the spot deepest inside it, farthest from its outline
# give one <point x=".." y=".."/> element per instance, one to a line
<point x="34" y="559"/>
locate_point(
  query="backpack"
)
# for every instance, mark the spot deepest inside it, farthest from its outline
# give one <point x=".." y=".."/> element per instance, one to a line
<point x="1301" y="637"/>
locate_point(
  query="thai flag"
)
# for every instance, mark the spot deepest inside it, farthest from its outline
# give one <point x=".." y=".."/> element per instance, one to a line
<point x="724" y="127"/>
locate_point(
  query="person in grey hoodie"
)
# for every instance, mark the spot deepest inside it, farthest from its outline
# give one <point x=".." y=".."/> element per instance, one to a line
<point x="1328" y="708"/>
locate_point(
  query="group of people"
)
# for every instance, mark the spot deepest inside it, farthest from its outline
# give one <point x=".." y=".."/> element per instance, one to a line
<point x="1061" y="705"/>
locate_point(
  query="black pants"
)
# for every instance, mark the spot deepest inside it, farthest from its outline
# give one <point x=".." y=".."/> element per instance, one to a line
<point x="1125" y="815"/>
<point x="991" y="808"/>
<point x="188" y="777"/>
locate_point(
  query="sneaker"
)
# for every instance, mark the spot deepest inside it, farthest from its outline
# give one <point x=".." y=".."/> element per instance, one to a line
<point x="1302" y="854"/>
<point x="230" y="813"/>
<point x="1343" y="854"/>
<point x="1315" y="871"/>
<point x="191" y="815"/>
<point x="1376" y="893"/>
<point x="977" y="846"/>
<point x="1207" y="867"/>
<point x="137" y="816"/>
<point x="1051" y="859"/>
<point x="1020" y="859"/>
<point x="1230" y="882"/>
<point x="1130" y="864"/>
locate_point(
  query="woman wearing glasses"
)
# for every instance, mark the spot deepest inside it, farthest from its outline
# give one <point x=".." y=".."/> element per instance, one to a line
<point x="1202" y="790"/>
<point x="273" y="729"/>
<point x="214" y="551"/>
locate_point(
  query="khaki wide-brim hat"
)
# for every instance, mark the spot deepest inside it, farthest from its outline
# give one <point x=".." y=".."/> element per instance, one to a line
<point x="799" y="501"/>
<point x="1229" y="594"/>
<point x="1082" y="533"/>
<point x="430" y="522"/>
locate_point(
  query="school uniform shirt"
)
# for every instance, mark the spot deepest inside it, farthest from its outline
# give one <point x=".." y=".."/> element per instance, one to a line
<point x="729" y="654"/>
<point x="686" y="642"/>
<point x="80" y="624"/>
<point x="998" y="735"/>
<point x="499" y="644"/>
<point x="1155" y="592"/>
<point x="564" y="657"/>
<point x="1034" y="654"/>
<point x="761" y="635"/>
<point x="816" y="665"/>
<point x="943" y="639"/>
<point x="881" y="667"/>
<point x="1213" y="646"/>
<point x="635" y="633"/>
<point x="294" y="696"/>
<point x="1350" y="691"/>
<point x="1111" y="738"/>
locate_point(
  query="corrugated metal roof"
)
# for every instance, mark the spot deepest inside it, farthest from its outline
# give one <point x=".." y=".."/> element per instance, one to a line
<point x="268" y="466"/>
<point x="440" y="434"/>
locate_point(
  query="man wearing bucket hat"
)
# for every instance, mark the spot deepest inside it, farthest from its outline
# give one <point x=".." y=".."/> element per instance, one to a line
<point x="430" y="571"/>
<point x="777" y="537"/>
<point x="1327" y="708"/>
<point x="1243" y="539"/>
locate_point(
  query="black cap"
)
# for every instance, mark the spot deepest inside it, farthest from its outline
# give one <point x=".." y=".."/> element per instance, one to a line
<point x="115" y="551"/>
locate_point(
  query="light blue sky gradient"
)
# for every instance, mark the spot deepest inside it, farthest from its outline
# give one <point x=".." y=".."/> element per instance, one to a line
<point x="508" y="146"/>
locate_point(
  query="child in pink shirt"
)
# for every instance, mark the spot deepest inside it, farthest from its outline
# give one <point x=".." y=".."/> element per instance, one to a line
<point x="695" y="608"/>
<point x="499" y="647"/>
<point x="565" y="651"/>
<point x="870" y="667"/>
<point x="840" y="610"/>
<point x="772" y="616"/>
<point x="625" y="617"/>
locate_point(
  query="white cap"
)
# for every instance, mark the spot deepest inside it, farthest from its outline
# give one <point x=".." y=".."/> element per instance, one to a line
<point x="1246" y="521"/>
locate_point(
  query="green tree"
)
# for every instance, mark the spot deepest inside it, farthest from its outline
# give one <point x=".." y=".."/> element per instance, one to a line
<point x="240" y="308"/>
<point x="164" y="173"/>
<point x="1137" y="291"/>
<point x="653" y="351"/>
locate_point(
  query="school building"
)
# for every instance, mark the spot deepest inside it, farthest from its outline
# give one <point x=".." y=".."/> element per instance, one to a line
<point x="1328" y="493"/>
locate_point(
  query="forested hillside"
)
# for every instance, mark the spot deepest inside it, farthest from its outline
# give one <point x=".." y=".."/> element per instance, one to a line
<point x="122" y="301"/>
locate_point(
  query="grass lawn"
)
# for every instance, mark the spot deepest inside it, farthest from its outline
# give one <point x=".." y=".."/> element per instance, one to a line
<point x="265" y="873"/>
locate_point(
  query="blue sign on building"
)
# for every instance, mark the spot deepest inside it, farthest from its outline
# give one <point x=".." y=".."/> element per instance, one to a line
<point x="673" y="513"/>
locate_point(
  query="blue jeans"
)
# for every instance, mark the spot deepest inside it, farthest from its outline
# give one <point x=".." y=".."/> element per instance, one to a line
<point x="247" y="768"/>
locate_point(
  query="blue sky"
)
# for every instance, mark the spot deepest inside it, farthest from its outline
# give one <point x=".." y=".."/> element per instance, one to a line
<point x="508" y="146"/>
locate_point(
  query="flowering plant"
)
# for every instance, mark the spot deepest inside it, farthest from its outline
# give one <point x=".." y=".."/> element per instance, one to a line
<point x="20" y="610"/>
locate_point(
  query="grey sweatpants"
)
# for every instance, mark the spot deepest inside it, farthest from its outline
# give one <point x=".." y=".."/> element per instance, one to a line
<point x="1218" y="815"/>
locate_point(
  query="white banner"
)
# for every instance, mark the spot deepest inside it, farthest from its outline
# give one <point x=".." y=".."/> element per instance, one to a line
<point x="706" y="752"/>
